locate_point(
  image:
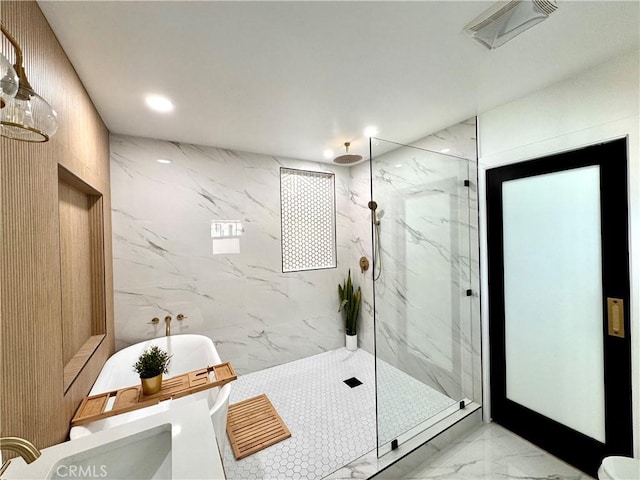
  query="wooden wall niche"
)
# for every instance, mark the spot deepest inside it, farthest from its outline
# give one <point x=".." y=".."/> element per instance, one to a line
<point x="80" y="209"/>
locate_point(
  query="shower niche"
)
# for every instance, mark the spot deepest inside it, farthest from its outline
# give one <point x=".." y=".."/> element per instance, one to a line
<point x="425" y="284"/>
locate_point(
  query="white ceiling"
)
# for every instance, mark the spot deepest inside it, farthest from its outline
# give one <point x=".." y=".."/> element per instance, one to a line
<point x="295" y="78"/>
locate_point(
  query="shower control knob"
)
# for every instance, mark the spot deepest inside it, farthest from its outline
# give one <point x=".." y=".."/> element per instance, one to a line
<point x="180" y="317"/>
<point x="154" y="321"/>
<point x="364" y="264"/>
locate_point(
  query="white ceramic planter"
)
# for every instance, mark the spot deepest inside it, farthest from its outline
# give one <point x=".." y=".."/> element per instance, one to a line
<point x="351" y="342"/>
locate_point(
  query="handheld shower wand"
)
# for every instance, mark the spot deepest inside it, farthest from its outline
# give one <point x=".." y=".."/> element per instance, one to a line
<point x="377" y="258"/>
<point x="373" y="206"/>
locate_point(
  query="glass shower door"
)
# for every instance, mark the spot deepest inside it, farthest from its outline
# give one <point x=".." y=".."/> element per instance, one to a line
<point x="422" y="310"/>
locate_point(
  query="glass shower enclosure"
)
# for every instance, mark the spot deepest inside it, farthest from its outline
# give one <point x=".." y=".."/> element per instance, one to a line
<point x="424" y="217"/>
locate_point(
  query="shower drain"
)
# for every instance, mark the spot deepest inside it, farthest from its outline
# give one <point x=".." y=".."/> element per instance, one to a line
<point x="353" y="382"/>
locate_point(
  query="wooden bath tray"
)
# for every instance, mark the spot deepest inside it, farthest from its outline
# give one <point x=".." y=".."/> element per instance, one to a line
<point x="131" y="398"/>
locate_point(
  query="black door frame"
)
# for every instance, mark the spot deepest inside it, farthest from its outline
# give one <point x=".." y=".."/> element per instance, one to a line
<point x="572" y="446"/>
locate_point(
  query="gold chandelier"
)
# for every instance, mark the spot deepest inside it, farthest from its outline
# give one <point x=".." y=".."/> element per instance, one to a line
<point x="24" y="115"/>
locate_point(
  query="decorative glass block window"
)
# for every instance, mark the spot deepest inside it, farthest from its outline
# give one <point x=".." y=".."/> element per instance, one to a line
<point x="308" y="217"/>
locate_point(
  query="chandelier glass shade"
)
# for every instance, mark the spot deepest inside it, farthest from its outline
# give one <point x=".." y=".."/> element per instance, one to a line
<point x="24" y="115"/>
<point x="8" y="80"/>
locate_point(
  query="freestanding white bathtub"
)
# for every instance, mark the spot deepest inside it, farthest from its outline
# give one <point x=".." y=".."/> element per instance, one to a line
<point x="189" y="352"/>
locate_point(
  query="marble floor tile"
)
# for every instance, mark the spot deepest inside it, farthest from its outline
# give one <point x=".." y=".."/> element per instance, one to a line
<point x="489" y="452"/>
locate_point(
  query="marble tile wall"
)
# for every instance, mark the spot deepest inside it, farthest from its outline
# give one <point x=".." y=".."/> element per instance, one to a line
<point x="163" y="262"/>
<point x="426" y="325"/>
<point x="257" y="316"/>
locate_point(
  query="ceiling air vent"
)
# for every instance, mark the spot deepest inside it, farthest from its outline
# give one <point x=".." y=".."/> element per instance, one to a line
<point x="505" y="20"/>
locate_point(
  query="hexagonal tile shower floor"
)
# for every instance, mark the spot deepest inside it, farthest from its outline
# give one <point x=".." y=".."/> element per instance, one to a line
<point x="331" y="423"/>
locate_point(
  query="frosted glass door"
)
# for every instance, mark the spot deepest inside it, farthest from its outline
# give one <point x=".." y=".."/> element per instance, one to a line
<point x="560" y="346"/>
<point x="553" y="334"/>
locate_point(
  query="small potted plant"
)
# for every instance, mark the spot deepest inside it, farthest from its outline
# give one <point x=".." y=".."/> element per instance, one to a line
<point x="151" y="364"/>
<point x="350" y="305"/>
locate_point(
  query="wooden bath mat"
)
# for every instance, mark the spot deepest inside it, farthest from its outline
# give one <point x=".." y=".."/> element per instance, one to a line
<point x="253" y="425"/>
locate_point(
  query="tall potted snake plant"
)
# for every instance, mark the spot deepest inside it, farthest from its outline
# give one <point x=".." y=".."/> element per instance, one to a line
<point x="350" y="306"/>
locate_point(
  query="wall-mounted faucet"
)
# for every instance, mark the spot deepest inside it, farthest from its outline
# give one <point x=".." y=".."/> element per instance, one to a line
<point x="24" y="448"/>
<point x="167" y="321"/>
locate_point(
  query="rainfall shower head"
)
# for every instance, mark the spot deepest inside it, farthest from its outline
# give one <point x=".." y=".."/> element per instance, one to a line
<point x="347" y="158"/>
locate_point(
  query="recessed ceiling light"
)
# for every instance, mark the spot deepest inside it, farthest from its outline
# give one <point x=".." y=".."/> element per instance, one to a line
<point x="445" y="150"/>
<point x="159" y="103"/>
<point x="371" y="131"/>
<point x="163" y="160"/>
<point x="328" y="154"/>
<point x="398" y="165"/>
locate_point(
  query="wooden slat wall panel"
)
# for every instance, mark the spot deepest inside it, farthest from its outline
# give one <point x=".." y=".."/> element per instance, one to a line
<point x="30" y="287"/>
